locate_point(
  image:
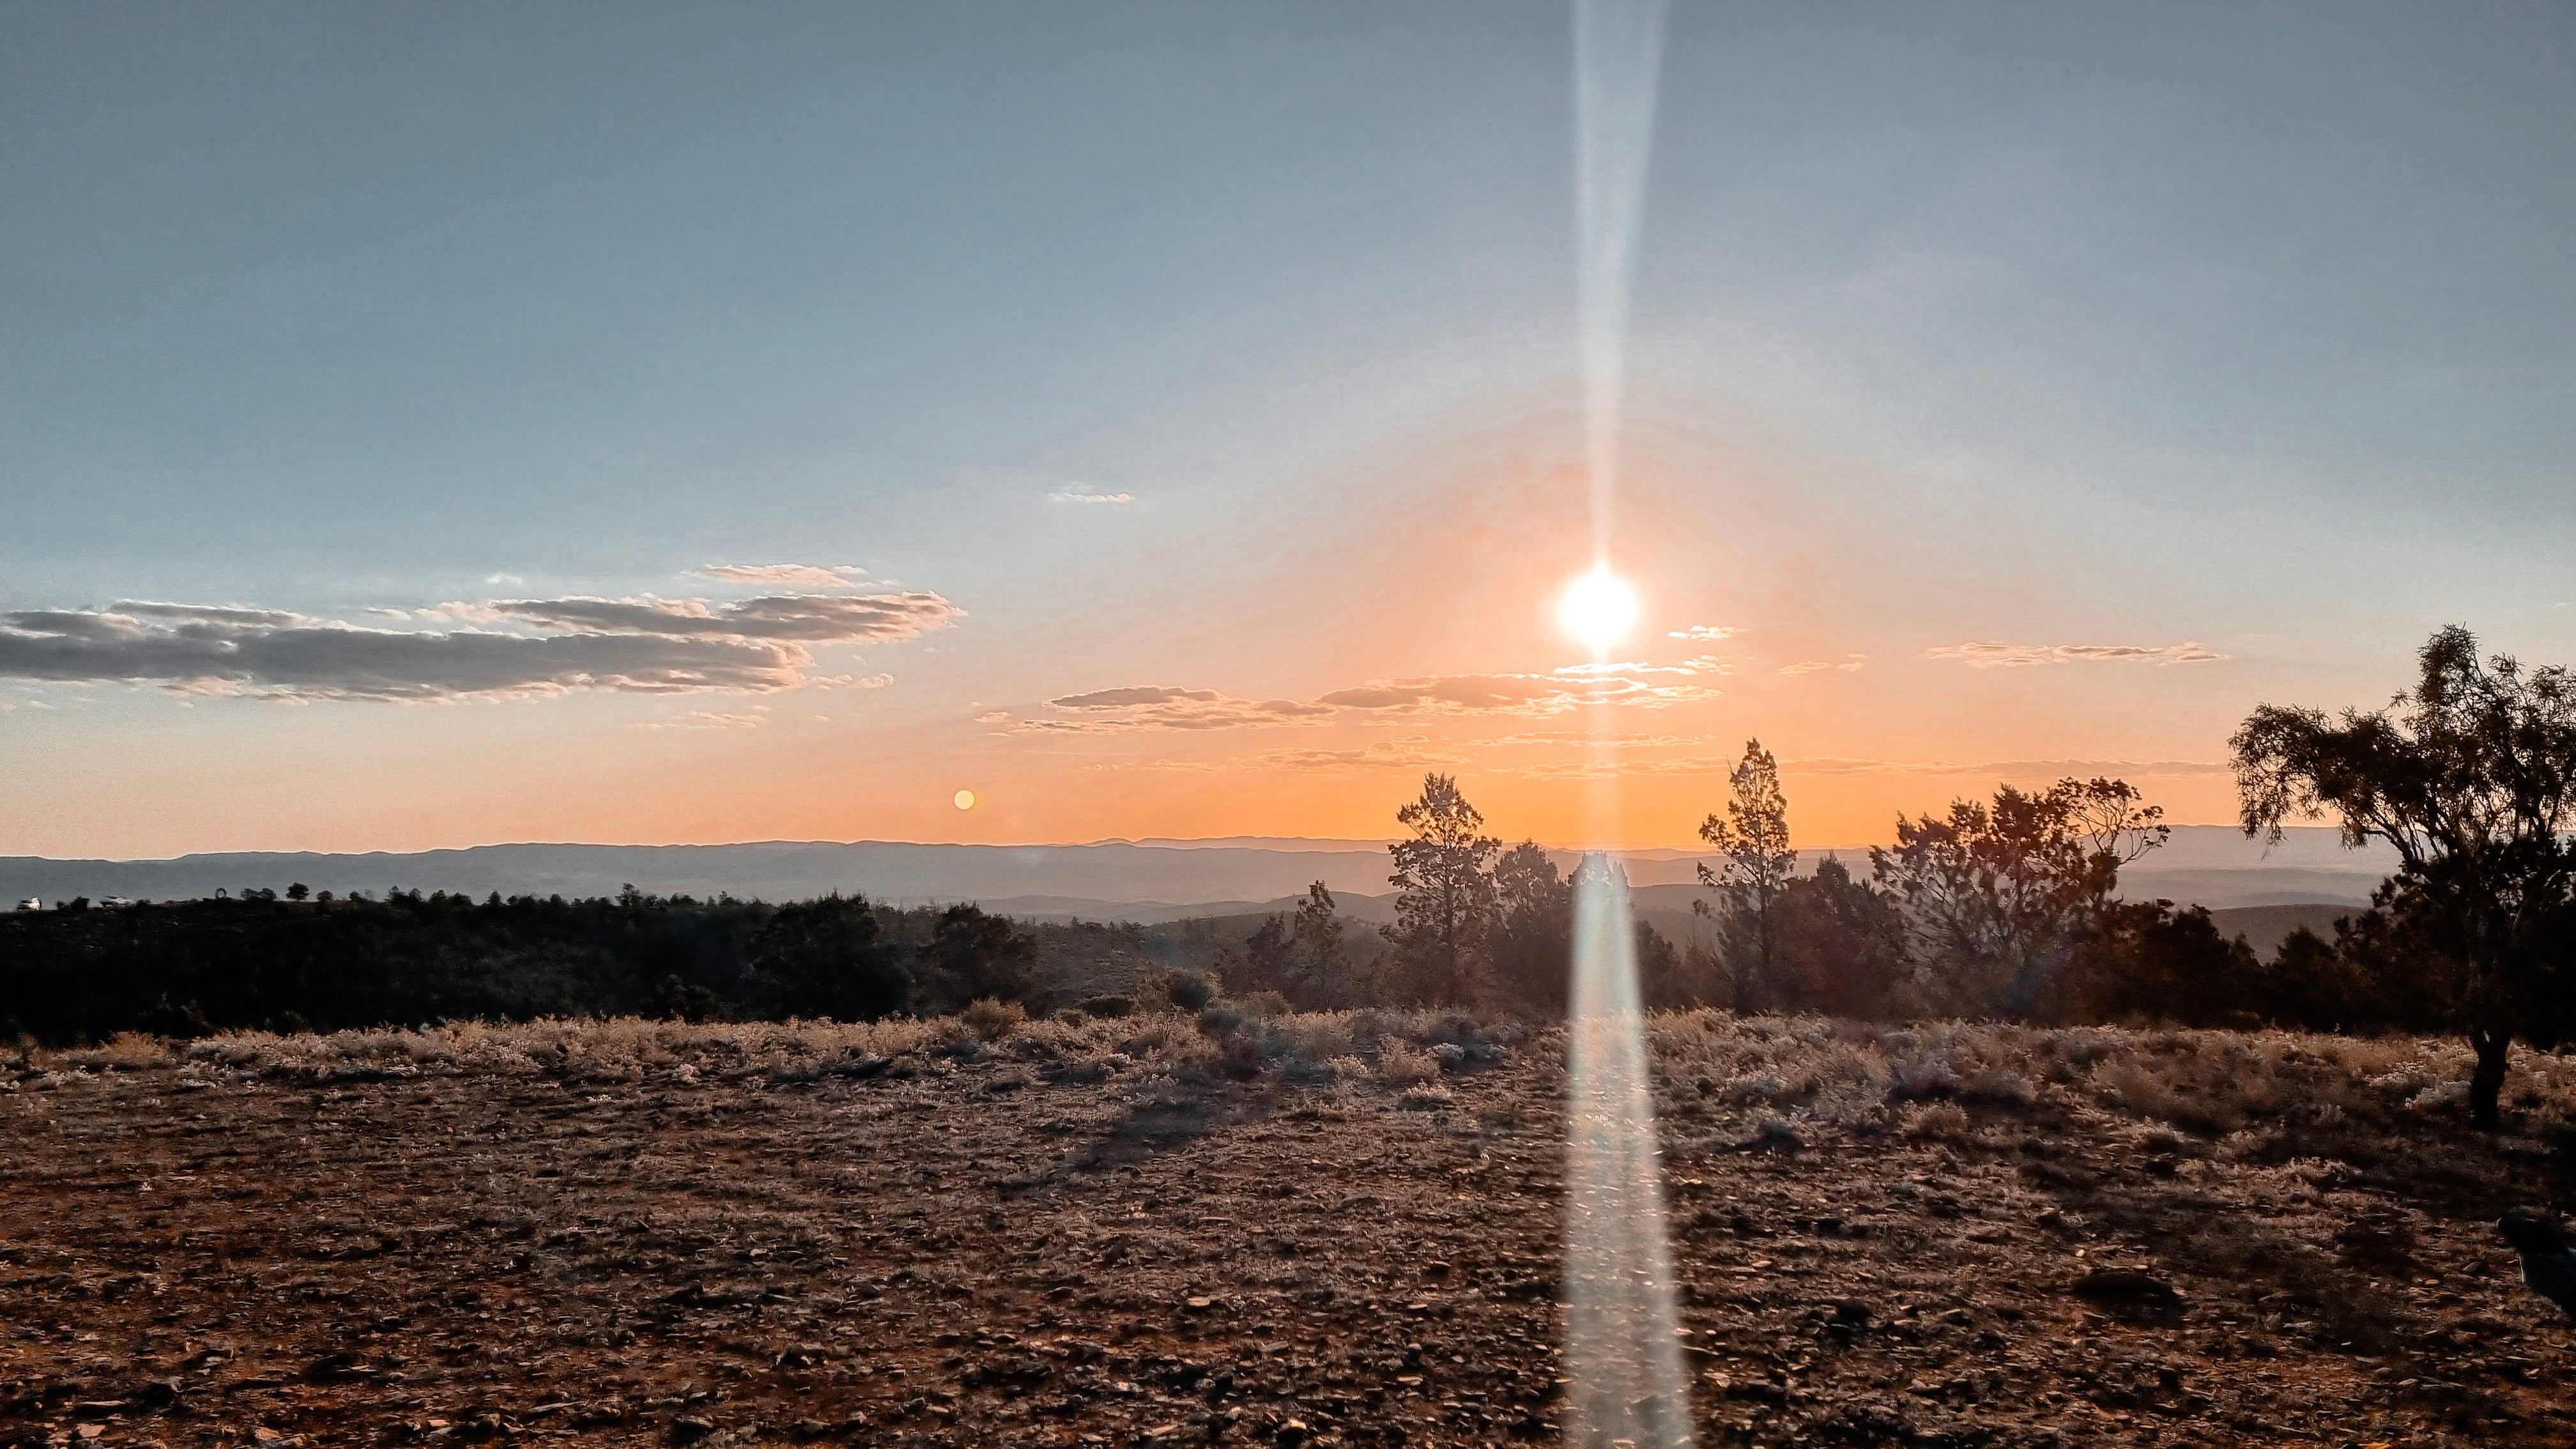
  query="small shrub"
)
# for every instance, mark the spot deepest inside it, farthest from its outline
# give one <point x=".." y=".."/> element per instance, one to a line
<point x="992" y="1020"/>
<point x="1264" y="1003"/>
<point x="1163" y="1037"/>
<point x="1188" y="990"/>
<point x="1922" y="1076"/>
<point x="1468" y="1035"/>
<point x="2440" y="1097"/>
<point x="1109" y="1008"/>
<point x="1998" y="1087"/>
<point x="1939" y="1122"/>
<point x="1320" y="1036"/>
<point x="1402" y="1064"/>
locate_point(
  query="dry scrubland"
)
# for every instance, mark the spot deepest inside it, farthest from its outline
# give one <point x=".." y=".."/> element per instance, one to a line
<point x="1310" y="1229"/>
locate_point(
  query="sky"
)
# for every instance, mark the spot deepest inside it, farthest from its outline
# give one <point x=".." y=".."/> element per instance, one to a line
<point x="431" y="426"/>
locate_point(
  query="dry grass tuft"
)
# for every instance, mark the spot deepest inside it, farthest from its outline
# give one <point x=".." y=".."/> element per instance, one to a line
<point x="992" y="1020"/>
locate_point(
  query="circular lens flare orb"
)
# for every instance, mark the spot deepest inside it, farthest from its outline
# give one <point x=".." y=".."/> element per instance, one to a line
<point x="1598" y="608"/>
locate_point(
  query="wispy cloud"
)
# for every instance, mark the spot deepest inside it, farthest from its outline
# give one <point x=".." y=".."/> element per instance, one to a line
<point x="1989" y="655"/>
<point x="1510" y="694"/>
<point x="1078" y="493"/>
<point x="1844" y="665"/>
<point x="1553" y="738"/>
<point x="1595" y="766"/>
<point x="813" y="618"/>
<point x="1405" y="754"/>
<point x="624" y="645"/>
<point x="818" y="576"/>
<point x="1705" y="633"/>
<point x="702" y="719"/>
<point x="1704" y="664"/>
<point x="206" y="652"/>
<point x="1169" y="707"/>
<point x="1164" y="706"/>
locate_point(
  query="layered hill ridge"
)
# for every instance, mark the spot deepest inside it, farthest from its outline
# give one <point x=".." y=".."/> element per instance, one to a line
<point x="1146" y="880"/>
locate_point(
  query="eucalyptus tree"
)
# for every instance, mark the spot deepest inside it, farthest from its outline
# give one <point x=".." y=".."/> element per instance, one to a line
<point x="2471" y="776"/>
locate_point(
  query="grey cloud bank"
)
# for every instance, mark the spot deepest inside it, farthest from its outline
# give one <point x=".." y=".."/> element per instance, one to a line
<point x="647" y="646"/>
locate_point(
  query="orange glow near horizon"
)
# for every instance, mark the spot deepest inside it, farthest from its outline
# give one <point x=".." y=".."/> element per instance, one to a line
<point x="1779" y="612"/>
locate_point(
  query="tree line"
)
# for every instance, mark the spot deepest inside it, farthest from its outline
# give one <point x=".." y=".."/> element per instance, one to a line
<point x="2011" y="908"/>
<point x="2008" y="908"/>
<point x="186" y="968"/>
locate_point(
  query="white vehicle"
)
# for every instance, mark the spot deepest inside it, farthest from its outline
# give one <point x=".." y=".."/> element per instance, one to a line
<point x="31" y="903"/>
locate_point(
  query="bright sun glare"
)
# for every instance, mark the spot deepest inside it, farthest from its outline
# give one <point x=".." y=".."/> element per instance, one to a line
<point x="1599" y="608"/>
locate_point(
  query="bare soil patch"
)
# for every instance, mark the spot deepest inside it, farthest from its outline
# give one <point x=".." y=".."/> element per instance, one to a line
<point x="1132" y="1232"/>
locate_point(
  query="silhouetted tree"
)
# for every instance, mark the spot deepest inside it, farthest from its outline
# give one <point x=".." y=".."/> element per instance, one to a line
<point x="1754" y="838"/>
<point x="1840" y="944"/>
<point x="972" y="955"/>
<point x="1444" y="905"/>
<point x="1996" y="898"/>
<point x="1663" y="978"/>
<point x="2379" y="972"/>
<point x="297" y="891"/>
<point x="1533" y="939"/>
<point x="2472" y="777"/>
<point x="2144" y="960"/>
<point x="827" y="958"/>
<point x="680" y="1000"/>
<point x="1322" y="953"/>
<point x="1268" y="960"/>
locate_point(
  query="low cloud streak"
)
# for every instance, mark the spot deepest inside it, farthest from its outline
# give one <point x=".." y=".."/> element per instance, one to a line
<point x="819" y="576"/>
<point x="808" y="618"/>
<point x="1992" y="655"/>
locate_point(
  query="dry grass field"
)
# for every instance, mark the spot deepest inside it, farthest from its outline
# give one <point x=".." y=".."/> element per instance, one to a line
<point x="1296" y="1231"/>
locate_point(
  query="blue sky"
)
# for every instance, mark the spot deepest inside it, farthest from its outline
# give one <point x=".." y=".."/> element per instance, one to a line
<point x="2045" y="326"/>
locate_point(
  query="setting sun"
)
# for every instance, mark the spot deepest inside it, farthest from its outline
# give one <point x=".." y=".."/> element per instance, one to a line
<point x="1599" y="608"/>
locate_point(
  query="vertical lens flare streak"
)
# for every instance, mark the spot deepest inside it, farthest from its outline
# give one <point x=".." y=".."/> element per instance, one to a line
<point x="1622" y="1354"/>
<point x="1622" y="1357"/>
<point x="1618" y="58"/>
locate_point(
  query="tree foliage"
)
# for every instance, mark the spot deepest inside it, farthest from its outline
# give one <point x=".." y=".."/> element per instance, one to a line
<point x="2471" y="776"/>
<point x="1444" y="909"/>
<point x="1753" y="836"/>
<point x="256" y="961"/>
<point x="1533" y="938"/>
<point x="1997" y="897"/>
<point x="827" y="958"/>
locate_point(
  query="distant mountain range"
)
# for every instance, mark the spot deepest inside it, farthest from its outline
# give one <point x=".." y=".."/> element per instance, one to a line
<point x="1145" y="880"/>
